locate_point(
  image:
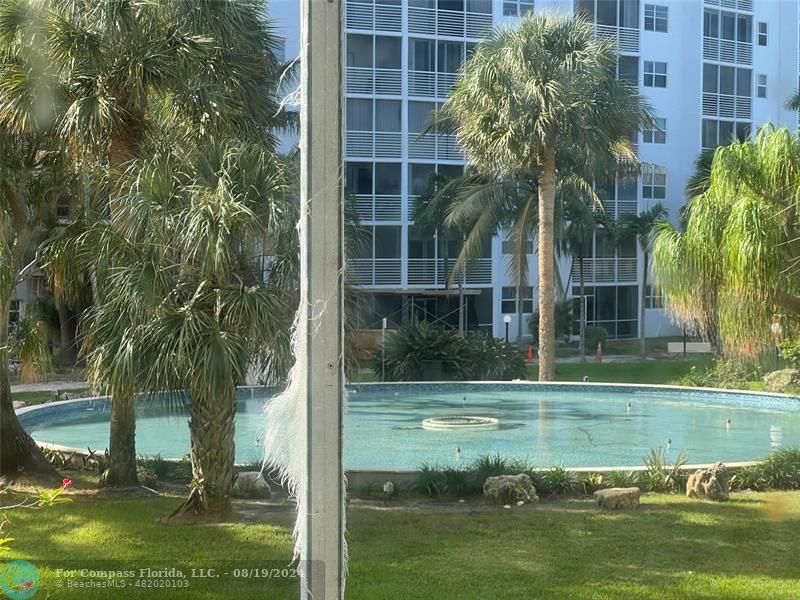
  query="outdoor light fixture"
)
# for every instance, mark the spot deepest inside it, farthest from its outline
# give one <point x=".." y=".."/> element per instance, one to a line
<point x="507" y="321"/>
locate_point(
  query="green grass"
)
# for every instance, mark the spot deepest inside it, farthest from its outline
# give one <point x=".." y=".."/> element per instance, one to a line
<point x="40" y="397"/>
<point x="661" y="371"/>
<point x="671" y="547"/>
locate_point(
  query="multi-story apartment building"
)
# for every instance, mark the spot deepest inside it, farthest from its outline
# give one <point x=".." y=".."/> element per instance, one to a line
<point x="712" y="70"/>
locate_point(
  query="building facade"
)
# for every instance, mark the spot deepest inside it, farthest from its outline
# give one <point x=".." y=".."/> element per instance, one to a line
<point x="712" y="70"/>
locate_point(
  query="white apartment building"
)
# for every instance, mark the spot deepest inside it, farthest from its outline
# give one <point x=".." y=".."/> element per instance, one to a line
<point x="712" y="69"/>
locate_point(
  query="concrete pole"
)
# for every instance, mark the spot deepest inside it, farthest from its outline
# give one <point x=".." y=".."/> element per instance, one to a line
<point x="322" y="199"/>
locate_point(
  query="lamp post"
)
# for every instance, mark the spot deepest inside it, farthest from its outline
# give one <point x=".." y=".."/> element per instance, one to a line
<point x="507" y="321"/>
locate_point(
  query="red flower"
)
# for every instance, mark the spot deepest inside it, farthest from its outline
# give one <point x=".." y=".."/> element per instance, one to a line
<point x="66" y="484"/>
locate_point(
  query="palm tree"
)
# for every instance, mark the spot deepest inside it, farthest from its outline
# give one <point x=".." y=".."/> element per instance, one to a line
<point x="640" y="227"/>
<point x="578" y="227"/>
<point x="734" y="267"/>
<point x="114" y="78"/>
<point x="527" y="98"/>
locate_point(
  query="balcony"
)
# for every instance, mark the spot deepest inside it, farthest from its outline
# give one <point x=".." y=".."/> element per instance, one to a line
<point x="436" y="271"/>
<point x="378" y="82"/>
<point x="378" y="207"/>
<point x="605" y="270"/>
<point x="430" y="21"/>
<point x="727" y="106"/>
<point x="373" y="17"/>
<point x="429" y="84"/>
<point x="433" y="146"/>
<point x="743" y="5"/>
<point x="727" y="51"/>
<point x="625" y="39"/>
<point x="373" y="144"/>
<point x="374" y="272"/>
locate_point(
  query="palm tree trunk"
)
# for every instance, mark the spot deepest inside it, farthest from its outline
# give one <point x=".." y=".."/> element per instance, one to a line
<point x="19" y="454"/>
<point x="213" y="452"/>
<point x="66" y="329"/>
<point x="582" y="317"/>
<point x="642" y="314"/>
<point x="122" y="443"/>
<point x="547" y="194"/>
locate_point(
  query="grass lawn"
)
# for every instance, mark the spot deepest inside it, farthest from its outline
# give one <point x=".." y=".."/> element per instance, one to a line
<point x="671" y="547"/>
<point x="660" y="371"/>
<point x="42" y="396"/>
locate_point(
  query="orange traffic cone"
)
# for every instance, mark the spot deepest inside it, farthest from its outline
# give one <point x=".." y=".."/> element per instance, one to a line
<point x="530" y="353"/>
<point x="598" y="356"/>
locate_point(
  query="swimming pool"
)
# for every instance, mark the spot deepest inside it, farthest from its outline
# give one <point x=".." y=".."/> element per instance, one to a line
<point x="575" y="425"/>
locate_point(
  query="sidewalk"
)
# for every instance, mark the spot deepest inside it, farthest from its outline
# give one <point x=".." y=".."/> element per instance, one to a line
<point x="48" y="386"/>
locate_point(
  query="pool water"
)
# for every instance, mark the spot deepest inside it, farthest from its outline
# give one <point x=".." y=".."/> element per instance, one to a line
<point x="570" y="425"/>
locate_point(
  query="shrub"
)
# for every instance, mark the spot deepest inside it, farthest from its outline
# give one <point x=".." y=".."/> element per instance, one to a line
<point x="160" y="467"/>
<point x="407" y="351"/>
<point x="458" y="481"/>
<point x="490" y="358"/>
<point x="622" y="479"/>
<point x="723" y="373"/>
<point x="593" y="482"/>
<point x="489" y="466"/>
<point x="660" y="475"/>
<point x="429" y="481"/>
<point x="748" y="478"/>
<point x="146" y="477"/>
<point x="781" y="469"/>
<point x="559" y="481"/>
<point x="790" y="352"/>
<point x="595" y="335"/>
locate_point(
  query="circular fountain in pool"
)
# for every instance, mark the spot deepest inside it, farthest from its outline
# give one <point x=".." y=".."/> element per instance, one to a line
<point x="575" y="425"/>
<point x="461" y="422"/>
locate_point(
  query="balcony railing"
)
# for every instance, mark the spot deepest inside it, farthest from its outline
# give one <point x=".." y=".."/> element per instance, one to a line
<point x="373" y="17"/>
<point x="743" y="5"/>
<point x="378" y="207"/>
<point x="625" y="39"/>
<point x="437" y="271"/>
<point x="605" y="270"/>
<point x="429" y="84"/>
<point x="375" y="272"/>
<point x="725" y="105"/>
<point x="433" y="146"/>
<point x="363" y="80"/>
<point x="373" y="144"/>
<point x="727" y="51"/>
<point x="448" y="22"/>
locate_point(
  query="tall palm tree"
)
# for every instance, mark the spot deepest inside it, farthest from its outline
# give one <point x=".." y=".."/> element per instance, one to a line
<point x="735" y="267"/>
<point x="640" y="227"/>
<point x="528" y="96"/>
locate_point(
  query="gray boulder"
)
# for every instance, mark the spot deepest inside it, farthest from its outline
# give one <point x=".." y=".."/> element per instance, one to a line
<point x="709" y="484"/>
<point x="251" y="484"/>
<point x="509" y="489"/>
<point x="17" y="404"/>
<point x="780" y="381"/>
<point x="617" y="498"/>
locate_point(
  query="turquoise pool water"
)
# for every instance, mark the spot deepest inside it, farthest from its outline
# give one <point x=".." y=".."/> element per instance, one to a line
<point x="570" y="425"/>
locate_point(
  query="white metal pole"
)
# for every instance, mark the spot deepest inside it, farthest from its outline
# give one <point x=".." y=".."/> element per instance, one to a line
<point x="322" y="199"/>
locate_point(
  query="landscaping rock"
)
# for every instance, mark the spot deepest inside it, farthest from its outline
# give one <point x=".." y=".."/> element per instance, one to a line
<point x="17" y="404"/>
<point x="615" y="498"/>
<point x="709" y="484"/>
<point x="506" y="489"/>
<point x="251" y="484"/>
<point x="781" y="381"/>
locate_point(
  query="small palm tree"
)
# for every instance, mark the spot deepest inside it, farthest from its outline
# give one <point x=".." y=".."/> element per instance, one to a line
<point x="530" y="100"/>
<point x="640" y="227"/>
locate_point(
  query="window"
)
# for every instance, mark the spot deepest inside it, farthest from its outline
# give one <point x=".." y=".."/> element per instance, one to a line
<point x="366" y="51"/>
<point x="508" y="304"/>
<point x="727" y="26"/>
<point x="654" y="182"/>
<point x="13" y="312"/>
<point x="731" y="81"/>
<point x="762" y="33"/>
<point x="653" y="297"/>
<point x="655" y="74"/>
<point x="655" y="17"/>
<point x="510" y="248"/>
<point x="517" y="8"/>
<point x="761" y="87"/>
<point x="716" y="133"/>
<point x="628" y="69"/>
<point x="360" y="117"/>
<point x="616" y="13"/>
<point x="657" y="134"/>
<point x="365" y="179"/>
